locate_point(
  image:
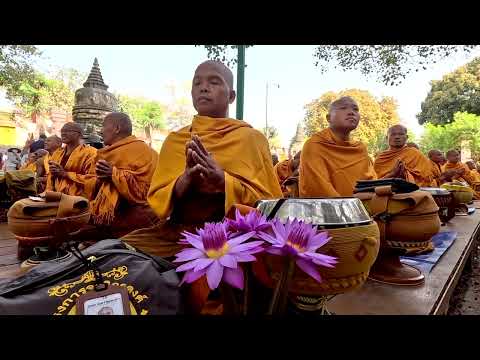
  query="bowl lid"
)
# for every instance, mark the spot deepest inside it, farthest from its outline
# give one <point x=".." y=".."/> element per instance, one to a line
<point x="435" y="191"/>
<point x="317" y="211"/>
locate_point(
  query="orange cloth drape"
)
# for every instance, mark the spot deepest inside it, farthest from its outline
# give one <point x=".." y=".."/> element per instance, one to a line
<point x="133" y="166"/>
<point x="241" y="151"/>
<point x="331" y="167"/>
<point x="468" y="177"/>
<point x="418" y="166"/>
<point x="81" y="160"/>
<point x="436" y="172"/>
<point x="29" y="166"/>
<point x="283" y="171"/>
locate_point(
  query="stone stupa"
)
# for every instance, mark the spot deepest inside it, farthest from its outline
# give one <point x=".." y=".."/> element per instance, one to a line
<point x="92" y="103"/>
<point x="297" y="142"/>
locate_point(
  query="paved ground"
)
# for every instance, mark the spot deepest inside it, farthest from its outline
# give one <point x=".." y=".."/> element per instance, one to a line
<point x="466" y="297"/>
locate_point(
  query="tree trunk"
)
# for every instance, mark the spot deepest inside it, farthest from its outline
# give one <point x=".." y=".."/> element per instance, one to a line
<point x="148" y="134"/>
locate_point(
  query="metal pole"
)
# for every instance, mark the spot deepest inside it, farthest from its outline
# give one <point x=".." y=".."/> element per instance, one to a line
<point x="266" y="110"/>
<point x="240" y="80"/>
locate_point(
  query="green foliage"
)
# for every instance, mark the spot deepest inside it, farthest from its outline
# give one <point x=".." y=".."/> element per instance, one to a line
<point x="42" y="93"/>
<point x="456" y="91"/>
<point x="145" y="114"/>
<point x="16" y="67"/>
<point x="376" y="117"/>
<point x="465" y="127"/>
<point x="272" y="136"/>
<point x="223" y="53"/>
<point x="390" y="64"/>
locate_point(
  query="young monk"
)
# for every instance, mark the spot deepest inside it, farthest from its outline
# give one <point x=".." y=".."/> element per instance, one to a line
<point x="119" y="182"/>
<point x="331" y="163"/>
<point x="285" y="169"/>
<point x="68" y="166"/>
<point x="401" y="161"/>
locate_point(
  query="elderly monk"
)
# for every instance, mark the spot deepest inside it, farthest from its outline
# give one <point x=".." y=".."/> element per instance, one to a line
<point x="402" y="161"/>
<point x="119" y="182"/>
<point x="68" y="166"/>
<point x="285" y="169"/>
<point x="205" y="168"/>
<point x="331" y="163"/>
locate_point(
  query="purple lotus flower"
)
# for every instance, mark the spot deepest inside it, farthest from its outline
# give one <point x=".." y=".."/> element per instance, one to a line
<point x="253" y="221"/>
<point x="300" y="241"/>
<point x="216" y="254"/>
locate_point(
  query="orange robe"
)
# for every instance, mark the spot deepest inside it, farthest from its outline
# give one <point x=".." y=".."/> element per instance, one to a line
<point x="248" y="170"/>
<point x="418" y="167"/>
<point x="249" y="176"/>
<point x="29" y="166"/>
<point x="283" y="171"/>
<point x="469" y="177"/>
<point x="331" y="167"/>
<point x="133" y="166"/>
<point x="475" y="175"/>
<point x="81" y="160"/>
<point x="437" y="172"/>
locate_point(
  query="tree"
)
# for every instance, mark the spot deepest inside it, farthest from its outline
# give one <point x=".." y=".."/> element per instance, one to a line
<point x="464" y="128"/>
<point x="389" y="63"/>
<point x="179" y="110"/>
<point x="456" y="91"/>
<point x="145" y="114"/>
<point x="16" y="67"/>
<point x="42" y="93"/>
<point x="376" y="117"/>
<point x="272" y="136"/>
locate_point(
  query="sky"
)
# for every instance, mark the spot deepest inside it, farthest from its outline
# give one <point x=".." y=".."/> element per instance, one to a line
<point x="147" y="70"/>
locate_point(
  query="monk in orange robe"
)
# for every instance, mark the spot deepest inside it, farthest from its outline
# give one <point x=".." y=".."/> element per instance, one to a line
<point x="118" y="184"/>
<point x="31" y="163"/>
<point x="204" y="169"/>
<point x="286" y="169"/>
<point x="402" y="161"/>
<point x="462" y="171"/>
<point x="473" y="170"/>
<point x="331" y="163"/>
<point x="69" y="165"/>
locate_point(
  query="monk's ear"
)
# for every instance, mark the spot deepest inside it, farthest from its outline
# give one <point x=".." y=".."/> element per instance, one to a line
<point x="232" y="96"/>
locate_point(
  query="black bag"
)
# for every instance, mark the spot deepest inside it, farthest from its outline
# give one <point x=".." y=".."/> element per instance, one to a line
<point x="399" y="186"/>
<point x="53" y="289"/>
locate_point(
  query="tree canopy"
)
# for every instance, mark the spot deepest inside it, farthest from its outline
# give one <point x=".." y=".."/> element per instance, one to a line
<point x="464" y="128"/>
<point x="456" y="91"/>
<point x="376" y="116"/>
<point x="43" y="93"/>
<point x="145" y="114"/>
<point x="390" y="64"/>
<point x="16" y="67"/>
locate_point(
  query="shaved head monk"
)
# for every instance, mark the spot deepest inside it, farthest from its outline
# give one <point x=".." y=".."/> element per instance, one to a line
<point x="285" y="169"/>
<point x="462" y="171"/>
<point x="206" y="167"/>
<point x="69" y="165"/>
<point x="402" y="161"/>
<point x="118" y="185"/>
<point x="331" y="163"/>
<point x="436" y="158"/>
